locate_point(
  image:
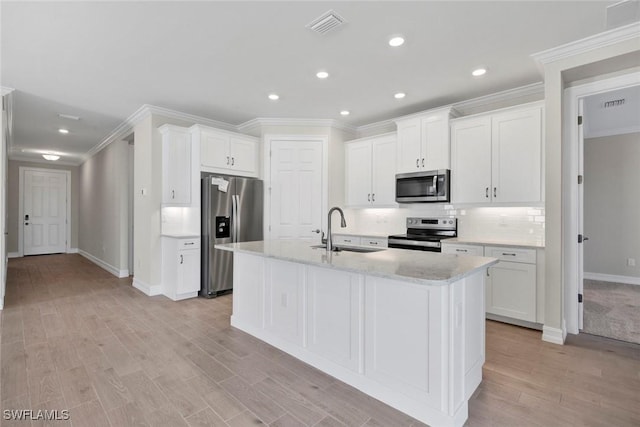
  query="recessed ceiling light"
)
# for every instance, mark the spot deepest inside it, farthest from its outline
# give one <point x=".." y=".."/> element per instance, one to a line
<point x="399" y="95"/>
<point x="345" y="112"/>
<point x="322" y="74"/>
<point x="52" y="157"/>
<point x="396" y="41"/>
<point x="64" y="131"/>
<point x="273" y="97"/>
<point x="478" y="72"/>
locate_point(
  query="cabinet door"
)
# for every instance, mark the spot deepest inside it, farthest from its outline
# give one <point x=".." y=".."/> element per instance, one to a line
<point x="188" y="271"/>
<point x="471" y="160"/>
<point x="383" y="174"/>
<point x="409" y="146"/>
<point x="358" y="174"/>
<point x="214" y="150"/>
<point x="435" y="143"/>
<point x="517" y="156"/>
<point x="244" y="155"/>
<point x="511" y="290"/>
<point x="176" y="168"/>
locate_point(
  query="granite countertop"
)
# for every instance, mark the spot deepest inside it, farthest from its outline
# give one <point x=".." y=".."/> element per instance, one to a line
<point x="428" y="268"/>
<point x="492" y="242"/>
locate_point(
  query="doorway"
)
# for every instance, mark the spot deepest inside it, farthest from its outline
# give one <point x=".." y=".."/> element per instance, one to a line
<point x="599" y="203"/>
<point x="44" y="211"/>
<point x="296" y="193"/>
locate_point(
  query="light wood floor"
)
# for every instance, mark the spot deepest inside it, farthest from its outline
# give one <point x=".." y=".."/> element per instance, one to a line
<point x="74" y="337"/>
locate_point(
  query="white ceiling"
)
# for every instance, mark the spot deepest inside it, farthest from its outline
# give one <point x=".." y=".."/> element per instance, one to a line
<point x="103" y="60"/>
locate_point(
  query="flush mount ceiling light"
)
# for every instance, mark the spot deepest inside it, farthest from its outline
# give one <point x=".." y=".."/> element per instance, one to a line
<point x="322" y="74"/>
<point x="396" y="41"/>
<point x="52" y="157"/>
<point x="399" y="95"/>
<point x="68" y="116"/>
<point x="345" y="112"/>
<point x="479" y="72"/>
<point x="63" y="131"/>
<point x="273" y="97"/>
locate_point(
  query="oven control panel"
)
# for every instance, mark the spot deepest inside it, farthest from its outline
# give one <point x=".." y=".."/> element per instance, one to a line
<point x="432" y="223"/>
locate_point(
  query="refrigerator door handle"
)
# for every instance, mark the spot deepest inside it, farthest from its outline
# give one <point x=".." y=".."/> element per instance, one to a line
<point x="234" y="215"/>
<point x="237" y="221"/>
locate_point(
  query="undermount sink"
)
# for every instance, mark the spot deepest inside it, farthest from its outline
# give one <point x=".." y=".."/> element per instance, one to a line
<point x="349" y="249"/>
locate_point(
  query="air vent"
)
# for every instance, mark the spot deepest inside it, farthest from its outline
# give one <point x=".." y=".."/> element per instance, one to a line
<point x="327" y="22"/>
<point x="614" y="103"/>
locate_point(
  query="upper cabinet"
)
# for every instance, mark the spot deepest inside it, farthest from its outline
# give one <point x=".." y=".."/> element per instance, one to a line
<point x="497" y="157"/>
<point x="226" y="152"/>
<point x="176" y="165"/>
<point x="370" y="171"/>
<point x="423" y="141"/>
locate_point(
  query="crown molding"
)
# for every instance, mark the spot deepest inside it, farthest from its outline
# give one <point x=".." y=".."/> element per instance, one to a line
<point x="256" y="123"/>
<point x="505" y="95"/>
<point x="587" y="44"/>
<point x="6" y="90"/>
<point x="41" y="160"/>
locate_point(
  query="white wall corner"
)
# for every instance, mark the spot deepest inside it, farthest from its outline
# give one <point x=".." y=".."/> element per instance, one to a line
<point x="13" y="255"/>
<point x="553" y="335"/>
<point x="145" y="288"/>
<point x="102" y="264"/>
<point x="72" y="250"/>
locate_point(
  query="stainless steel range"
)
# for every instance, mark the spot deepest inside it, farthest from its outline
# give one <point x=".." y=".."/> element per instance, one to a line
<point x="425" y="234"/>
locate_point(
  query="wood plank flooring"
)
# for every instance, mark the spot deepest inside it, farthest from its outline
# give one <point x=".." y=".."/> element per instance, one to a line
<point x="74" y="337"/>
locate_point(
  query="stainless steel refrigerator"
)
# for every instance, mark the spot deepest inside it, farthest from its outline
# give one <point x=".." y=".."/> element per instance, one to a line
<point x="231" y="212"/>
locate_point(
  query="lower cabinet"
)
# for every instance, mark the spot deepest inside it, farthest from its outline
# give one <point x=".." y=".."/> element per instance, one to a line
<point x="180" y="267"/>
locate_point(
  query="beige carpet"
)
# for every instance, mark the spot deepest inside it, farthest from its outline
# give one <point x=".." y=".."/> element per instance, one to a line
<point x="612" y="310"/>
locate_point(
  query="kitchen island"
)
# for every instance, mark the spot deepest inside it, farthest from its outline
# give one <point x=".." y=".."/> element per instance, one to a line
<point x="406" y="327"/>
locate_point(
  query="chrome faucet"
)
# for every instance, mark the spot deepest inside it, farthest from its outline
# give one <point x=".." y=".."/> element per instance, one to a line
<point x="343" y="224"/>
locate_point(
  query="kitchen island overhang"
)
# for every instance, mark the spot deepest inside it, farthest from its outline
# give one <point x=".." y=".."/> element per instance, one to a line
<point x="405" y="327"/>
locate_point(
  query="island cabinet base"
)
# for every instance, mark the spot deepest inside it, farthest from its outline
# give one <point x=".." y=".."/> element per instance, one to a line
<point x="416" y="347"/>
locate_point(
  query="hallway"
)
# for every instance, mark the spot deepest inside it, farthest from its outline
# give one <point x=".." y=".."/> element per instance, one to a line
<point x="76" y="338"/>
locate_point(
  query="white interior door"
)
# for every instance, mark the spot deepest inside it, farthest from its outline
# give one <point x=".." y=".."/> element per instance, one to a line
<point x="581" y="212"/>
<point x="45" y="212"/>
<point x="295" y="205"/>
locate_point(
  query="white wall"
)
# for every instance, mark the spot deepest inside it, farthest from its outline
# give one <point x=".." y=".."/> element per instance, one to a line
<point x="103" y="200"/>
<point x="3" y="207"/>
<point x="612" y="204"/>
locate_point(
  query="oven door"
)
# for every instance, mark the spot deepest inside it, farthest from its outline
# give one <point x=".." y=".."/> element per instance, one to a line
<point x="423" y="187"/>
<point x="416" y="245"/>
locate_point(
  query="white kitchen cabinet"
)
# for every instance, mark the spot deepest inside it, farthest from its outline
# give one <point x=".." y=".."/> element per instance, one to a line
<point x="226" y="152"/>
<point x="371" y="171"/>
<point x="423" y="141"/>
<point x="284" y="303"/>
<point x="180" y="267"/>
<point x="461" y="249"/>
<point x="360" y="240"/>
<point x="176" y="166"/>
<point x="497" y="157"/>
<point x="511" y="283"/>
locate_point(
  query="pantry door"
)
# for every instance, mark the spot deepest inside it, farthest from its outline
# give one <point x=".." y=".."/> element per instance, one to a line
<point x="296" y="191"/>
<point x="44" y="211"/>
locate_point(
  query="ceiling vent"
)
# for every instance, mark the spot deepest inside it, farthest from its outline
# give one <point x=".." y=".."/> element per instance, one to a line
<point x="614" y="103"/>
<point x="328" y="21"/>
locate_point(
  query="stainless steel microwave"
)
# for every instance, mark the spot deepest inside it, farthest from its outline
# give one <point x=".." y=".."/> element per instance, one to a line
<point x="423" y="187"/>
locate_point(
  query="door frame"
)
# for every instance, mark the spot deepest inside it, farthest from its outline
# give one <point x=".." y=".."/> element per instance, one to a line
<point x="22" y="170"/>
<point x="572" y="203"/>
<point x="268" y="140"/>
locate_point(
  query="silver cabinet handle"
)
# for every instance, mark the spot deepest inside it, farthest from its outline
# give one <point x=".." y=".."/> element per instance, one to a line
<point x="173" y="194"/>
<point x="369" y="197"/>
<point x="508" y="254"/>
<point x="181" y="259"/>
<point x="423" y="162"/>
<point x="461" y="250"/>
<point x="317" y="230"/>
<point x="373" y="243"/>
<point x="417" y="163"/>
<point x="233" y="161"/>
<point x="494" y="192"/>
<point x="486" y="192"/>
<point x="227" y="159"/>
<point x="373" y="197"/>
<point x="188" y="243"/>
<point x="347" y="240"/>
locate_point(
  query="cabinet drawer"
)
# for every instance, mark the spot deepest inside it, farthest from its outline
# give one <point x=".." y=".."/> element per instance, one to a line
<point x="188" y="244"/>
<point x="462" y="249"/>
<point x="379" y="242"/>
<point x="505" y="253"/>
<point x="346" y="240"/>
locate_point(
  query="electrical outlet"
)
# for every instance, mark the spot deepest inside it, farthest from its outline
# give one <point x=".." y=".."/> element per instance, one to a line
<point x="631" y="262"/>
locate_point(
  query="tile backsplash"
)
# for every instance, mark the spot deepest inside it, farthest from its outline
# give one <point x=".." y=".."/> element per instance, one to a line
<point x="521" y="224"/>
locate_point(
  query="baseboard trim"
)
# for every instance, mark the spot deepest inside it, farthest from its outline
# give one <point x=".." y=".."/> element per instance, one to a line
<point x="145" y="288"/>
<point x="104" y="265"/>
<point x="629" y="280"/>
<point x="553" y="335"/>
<point x="13" y="255"/>
<point x="72" y="250"/>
